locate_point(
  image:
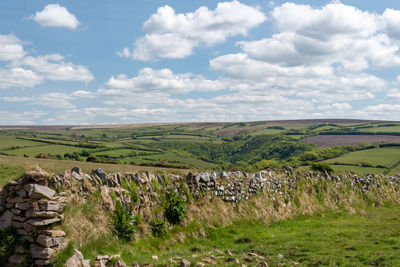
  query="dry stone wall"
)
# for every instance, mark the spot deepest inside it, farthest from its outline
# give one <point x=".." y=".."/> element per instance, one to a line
<point x="34" y="203"/>
<point x="33" y="208"/>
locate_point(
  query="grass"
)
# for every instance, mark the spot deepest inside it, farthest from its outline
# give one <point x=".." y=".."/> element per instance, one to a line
<point x="377" y="156"/>
<point x="46" y="149"/>
<point x="9" y="172"/>
<point x="59" y="166"/>
<point x="6" y="142"/>
<point x="119" y="152"/>
<point x="172" y="157"/>
<point x="357" y="169"/>
<point x="371" y="237"/>
<point x="389" y="129"/>
<point x="266" y="131"/>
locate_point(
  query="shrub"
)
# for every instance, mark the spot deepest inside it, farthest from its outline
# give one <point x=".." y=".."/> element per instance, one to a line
<point x="124" y="224"/>
<point x="366" y="163"/>
<point x="321" y="166"/>
<point x="175" y="208"/>
<point x="8" y="241"/>
<point x="158" y="227"/>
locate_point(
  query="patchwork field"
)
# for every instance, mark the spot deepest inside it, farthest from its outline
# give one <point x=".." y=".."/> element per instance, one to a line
<point x="221" y="146"/>
<point x="379" y="157"/>
<point x="335" y="140"/>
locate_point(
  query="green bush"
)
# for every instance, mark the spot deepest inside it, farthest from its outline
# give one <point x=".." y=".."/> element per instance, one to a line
<point x="321" y="166"/>
<point x="175" y="208"/>
<point x="158" y="227"/>
<point x="8" y="241"/>
<point x="124" y="224"/>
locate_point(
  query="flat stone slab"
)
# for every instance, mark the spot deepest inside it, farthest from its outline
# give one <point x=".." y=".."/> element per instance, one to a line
<point x="52" y="233"/>
<point x="41" y="222"/>
<point x="41" y="214"/>
<point x="6" y="219"/>
<point x="39" y="252"/>
<point x="40" y="191"/>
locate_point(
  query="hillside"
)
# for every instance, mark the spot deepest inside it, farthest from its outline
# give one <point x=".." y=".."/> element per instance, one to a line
<point x="248" y="146"/>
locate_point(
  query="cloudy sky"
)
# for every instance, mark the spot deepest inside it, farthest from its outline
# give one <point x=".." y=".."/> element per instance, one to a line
<point x="124" y="61"/>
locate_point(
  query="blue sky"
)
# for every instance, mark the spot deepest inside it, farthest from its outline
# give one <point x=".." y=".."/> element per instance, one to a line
<point x="102" y="62"/>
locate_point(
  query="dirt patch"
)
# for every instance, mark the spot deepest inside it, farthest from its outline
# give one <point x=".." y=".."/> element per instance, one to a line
<point x="335" y="140"/>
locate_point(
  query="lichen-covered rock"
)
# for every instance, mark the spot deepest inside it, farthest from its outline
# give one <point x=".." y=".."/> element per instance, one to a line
<point x="6" y="219"/>
<point x="77" y="260"/>
<point x="40" y="252"/>
<point x="105" y="196"/>
<point x="39" y="191"/>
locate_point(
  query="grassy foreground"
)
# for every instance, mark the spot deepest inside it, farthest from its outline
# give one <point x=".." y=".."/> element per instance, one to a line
<point x="368" y="237"/>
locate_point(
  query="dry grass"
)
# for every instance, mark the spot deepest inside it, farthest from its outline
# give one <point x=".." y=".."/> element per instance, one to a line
<point x="86" y="220"/>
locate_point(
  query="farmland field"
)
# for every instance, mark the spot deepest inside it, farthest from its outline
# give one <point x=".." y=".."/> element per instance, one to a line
<point x="221" y="146"/>
<point x="360" y="170"/>
<point x="386" y="157"/>
<point x="334" y="140"/>
<point x="7" y="142"/>
<point x="50" y="149"/>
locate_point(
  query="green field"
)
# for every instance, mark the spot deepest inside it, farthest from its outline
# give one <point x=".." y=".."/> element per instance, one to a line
<point x="337" y="239"/>
<point x="378" y="156"/>
<point x="221" y="146"/>
<point x="359" y="170"/>
<point x="120" y="152"/>
<point x="7" y="142"/>
<point x="47" y="149"/>
<point x="389" y="129"/>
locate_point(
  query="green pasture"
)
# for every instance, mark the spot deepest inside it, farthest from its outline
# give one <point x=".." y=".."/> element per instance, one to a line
<point x="120" y="152"/>
<point x="266" y="131"/>
<point x="45" y="149"/>
<point x="171" y="158"/>
<point x="357" y="169"/>
<point x="377" y="156"/>
<point x="390" y="129"/>
<point x="7" y="142"/>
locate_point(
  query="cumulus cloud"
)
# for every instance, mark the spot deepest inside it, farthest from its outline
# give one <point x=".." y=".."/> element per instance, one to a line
<point x="392" y="19"/>
<point x="53" y="67"/>
<point x="171" y="35"/>
<point x="10" y="47"/>
<point x="24" y="70"/>
<point x="54" y="15"/>
<point x="55" y="99"/>
<point x="149" y="80"/>
<point x="18" y="77"/>
<point x="333" y="34"/>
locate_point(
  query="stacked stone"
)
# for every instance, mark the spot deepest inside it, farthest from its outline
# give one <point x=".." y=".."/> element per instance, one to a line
<point x="33" y="208"/>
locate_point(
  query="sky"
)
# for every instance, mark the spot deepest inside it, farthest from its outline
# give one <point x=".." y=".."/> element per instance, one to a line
<point x="103" y="62"/>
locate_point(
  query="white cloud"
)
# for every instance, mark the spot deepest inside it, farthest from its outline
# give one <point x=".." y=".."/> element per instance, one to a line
<point x="333" y="34"/>
<point x="10" y="47"/>
<point x="394" y="94"/>
<point x="392" y="19"/>
<point x="164" y="81"/>
<point x="54" y="99"/>
<point x="171" y="35"/>
<point x="18" y="77"/>
<point x="53" y="67"/>
<point x="25" y="71"/>
<point x="54" y="15"/>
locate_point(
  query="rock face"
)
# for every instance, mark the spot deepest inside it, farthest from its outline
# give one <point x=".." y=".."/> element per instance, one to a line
<point x="77" y="260"/>
<point x="32" y="208"/>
